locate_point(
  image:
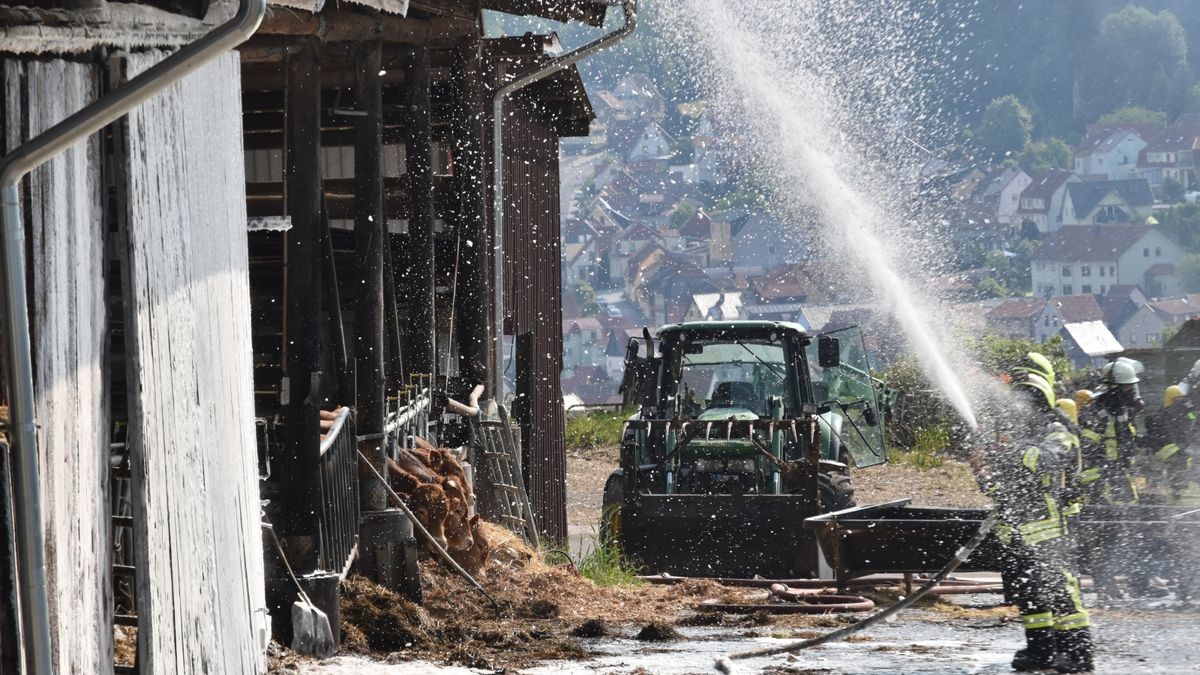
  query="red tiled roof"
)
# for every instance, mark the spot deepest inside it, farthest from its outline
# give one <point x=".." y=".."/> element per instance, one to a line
<point x="1188" y="305"/>
<point x="1016" y="308"/>
<point x="1089" y="243"/>
<point x="1077" y="308"/>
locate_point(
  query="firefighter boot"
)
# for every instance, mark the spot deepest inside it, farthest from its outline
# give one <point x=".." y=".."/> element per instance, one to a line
<point x="1074" y="650"/>
<point x="1038" y="653"/>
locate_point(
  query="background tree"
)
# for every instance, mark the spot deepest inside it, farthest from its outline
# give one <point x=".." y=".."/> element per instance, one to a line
<point x="1138" y="58"/>
<point x="1189" y="274"/>
<point x="1007" y="127"/>
<point x="1133" y="114"/>
<point x="1182" y="224"/>
<point x="1042" y="156"/>
<point x="1172" y="191"/>
<point x="585" y="299"/>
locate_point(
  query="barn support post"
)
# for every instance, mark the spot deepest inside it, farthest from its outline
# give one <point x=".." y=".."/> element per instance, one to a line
<point x="333" y="295"/>
<point x="472" y="322"/>
<point x="419" y="277"/>
<point x="304" y="256"/>
<point x="31" y="582"/>
<point x="369" y="234"/>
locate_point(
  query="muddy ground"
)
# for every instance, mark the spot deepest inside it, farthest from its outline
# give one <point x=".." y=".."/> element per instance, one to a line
<point x="554" y="622"/>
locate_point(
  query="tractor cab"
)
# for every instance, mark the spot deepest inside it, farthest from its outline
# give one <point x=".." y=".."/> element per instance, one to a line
<point x="758" y="417"/>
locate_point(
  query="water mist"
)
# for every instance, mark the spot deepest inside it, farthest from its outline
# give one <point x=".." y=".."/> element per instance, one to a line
<point x="791" y="115"/>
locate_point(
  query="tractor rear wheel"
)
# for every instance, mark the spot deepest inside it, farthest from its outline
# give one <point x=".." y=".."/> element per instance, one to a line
<point x="836" y="491"/>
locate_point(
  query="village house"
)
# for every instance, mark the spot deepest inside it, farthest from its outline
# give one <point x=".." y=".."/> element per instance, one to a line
<point x="582" y="344"/>
<point x="1088" y="343"/>
<point x="714" y="307"/>
<point x="1104" y="202"/>
<point x="1002" y="193"/>
<point x="1170" y="158"/>
<point x="1016" y="317"/>
<point x="637" y="93"/>
<point x="763" y="242"/>
<point x="1041" y="202"/>
<point x="1111" y="154"/>
<point x="714" y="235"/>
<point x="1062" y="310"/>
<point x="640" y="140"/>
<point x="1084" y="259"/>
<point x="1147" y="325"/>
<point x="1118" y="304"/>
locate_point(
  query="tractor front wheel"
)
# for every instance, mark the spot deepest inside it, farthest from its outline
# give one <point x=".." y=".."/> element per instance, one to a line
<point x="836" y="491"/>
<point x="610" y="513"/>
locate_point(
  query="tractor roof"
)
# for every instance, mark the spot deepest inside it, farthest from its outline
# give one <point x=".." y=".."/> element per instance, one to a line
<point x="735" y="326"/>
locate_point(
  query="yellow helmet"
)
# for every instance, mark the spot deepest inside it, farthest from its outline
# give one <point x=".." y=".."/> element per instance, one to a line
<point x="1172" y="393"/>
<point x="1037" y="364"/>
<point x="1083" y="397"/>
<point x="1039" y="383"/>
<point x="1069" y="409"/>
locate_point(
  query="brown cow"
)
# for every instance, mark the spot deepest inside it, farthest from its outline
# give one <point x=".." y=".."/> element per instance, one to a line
<point x="428" y="504"/>
<point x="411" y="462"/>
<point x="474" y="559"/>
<point x="458" y="528"/>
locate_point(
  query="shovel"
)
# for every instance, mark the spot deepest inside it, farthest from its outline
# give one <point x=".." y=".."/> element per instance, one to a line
<point x="311" y="633"/>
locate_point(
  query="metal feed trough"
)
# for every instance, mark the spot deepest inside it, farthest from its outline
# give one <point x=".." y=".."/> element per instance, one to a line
<point x="896" y="537"/>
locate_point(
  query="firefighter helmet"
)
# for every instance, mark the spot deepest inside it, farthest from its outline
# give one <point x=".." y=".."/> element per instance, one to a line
<point x="1068" y="408"/>
<point x="1172" y="394"/>
<point x="1121" y="371"/>
<point x="1083" y="397"/>
<point x="1039" y="384"/>
<point x="1037" y="364"/>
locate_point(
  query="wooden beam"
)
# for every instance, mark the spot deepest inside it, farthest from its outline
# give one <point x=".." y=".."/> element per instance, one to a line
<point x="473" y="315"/>
<point x="369" y="235"/>
<point x="418" y="275"/>
<point x="302" y="303"/>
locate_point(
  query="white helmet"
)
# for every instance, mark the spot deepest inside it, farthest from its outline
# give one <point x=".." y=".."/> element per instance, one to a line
<point x="1185" y="384"/>
<point x="1122" y="371"/>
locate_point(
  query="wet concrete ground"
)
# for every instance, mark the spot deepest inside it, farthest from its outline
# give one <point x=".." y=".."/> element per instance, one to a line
<point x="1137" y="637"/>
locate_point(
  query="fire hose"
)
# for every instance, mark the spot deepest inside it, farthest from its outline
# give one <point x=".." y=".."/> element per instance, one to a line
<point x="725" y="663"/>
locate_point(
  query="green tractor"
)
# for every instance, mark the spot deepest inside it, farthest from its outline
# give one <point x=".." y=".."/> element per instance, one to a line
<point x="744" y="429"/>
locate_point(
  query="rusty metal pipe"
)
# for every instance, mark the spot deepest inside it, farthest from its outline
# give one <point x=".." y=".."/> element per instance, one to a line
<point x="31" y="556"/>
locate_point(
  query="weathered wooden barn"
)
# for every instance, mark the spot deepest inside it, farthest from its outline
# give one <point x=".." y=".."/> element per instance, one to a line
<point x="304" y="223"/>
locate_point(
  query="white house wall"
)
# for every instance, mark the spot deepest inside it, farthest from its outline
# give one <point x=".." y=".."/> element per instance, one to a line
<point x="68" y="324"/>
<point x="201" y="604"/>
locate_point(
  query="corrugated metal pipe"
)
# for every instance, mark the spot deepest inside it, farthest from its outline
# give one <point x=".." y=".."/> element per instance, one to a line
<point x="27" y="500"/>
<point x="553" y="66"/>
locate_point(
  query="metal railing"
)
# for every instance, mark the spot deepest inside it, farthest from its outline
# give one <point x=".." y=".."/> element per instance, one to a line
<point x="338" y="516"/>
<point x="411" y="417"/>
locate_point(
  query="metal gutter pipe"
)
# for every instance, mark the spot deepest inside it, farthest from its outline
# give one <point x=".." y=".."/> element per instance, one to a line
<point x="553" y="66"/>
<point x="27" y="499"/>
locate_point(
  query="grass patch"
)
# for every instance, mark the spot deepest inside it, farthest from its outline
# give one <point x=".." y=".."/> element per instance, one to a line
<point x="928" y="450"/>
<point x="603" y="563"/>
<point x="594" y="430"/>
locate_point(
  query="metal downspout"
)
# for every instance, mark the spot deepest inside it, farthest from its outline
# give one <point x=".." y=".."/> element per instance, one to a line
<point x="27" y="500"/>
<point x="551" y="67"/>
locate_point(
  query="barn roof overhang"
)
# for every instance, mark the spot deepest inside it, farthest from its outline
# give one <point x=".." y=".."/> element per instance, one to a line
<point x="590" y="12"/>
<point x="560" y="99"/>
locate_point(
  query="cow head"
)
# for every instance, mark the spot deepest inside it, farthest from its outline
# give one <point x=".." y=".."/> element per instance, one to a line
<point x="458" y="528"/>
<point x="430" y="506"/>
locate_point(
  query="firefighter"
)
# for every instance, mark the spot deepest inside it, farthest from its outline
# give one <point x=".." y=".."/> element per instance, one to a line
<point x="1109" y="436"/>
<point x="1026" y="481"/>
<point x="1178" y="458"/>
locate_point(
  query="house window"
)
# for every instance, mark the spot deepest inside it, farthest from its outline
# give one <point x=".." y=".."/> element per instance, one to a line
<point x="1146" y="252"/>
<point x="1103" y="289"/>
<point x="1151" y="338"/>
<point x="1046" y="322"/>
<point x="1066" y="270"/>
<point x="1102" y="270"/>
<point x="1157" y="251"/>
<point x="1068" y="289"/>
<point x="1112" y="270"/>
<point x="1086" y="289"/>
<point x="1085" y="270"/>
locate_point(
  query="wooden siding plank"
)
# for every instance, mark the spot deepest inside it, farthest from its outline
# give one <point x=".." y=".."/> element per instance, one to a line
<point x="199" y="554"/>
<point x="68" y="325"/>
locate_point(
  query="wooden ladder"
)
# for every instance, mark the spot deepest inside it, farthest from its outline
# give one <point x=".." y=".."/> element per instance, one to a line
<point x="497" y="455"/>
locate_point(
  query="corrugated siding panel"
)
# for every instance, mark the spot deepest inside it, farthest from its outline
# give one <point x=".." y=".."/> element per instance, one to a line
<point x="534" y="303"/>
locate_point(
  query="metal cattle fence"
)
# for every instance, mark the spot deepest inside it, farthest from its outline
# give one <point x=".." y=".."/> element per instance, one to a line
<point x="339" y="513"/>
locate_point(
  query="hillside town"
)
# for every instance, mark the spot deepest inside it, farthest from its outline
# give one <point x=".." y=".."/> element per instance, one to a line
<point x="656" y="232"/>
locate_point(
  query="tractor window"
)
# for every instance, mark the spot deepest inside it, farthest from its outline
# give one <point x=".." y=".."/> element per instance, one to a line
<point x="849" y="390"/>
<point x="723" y="379"/>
